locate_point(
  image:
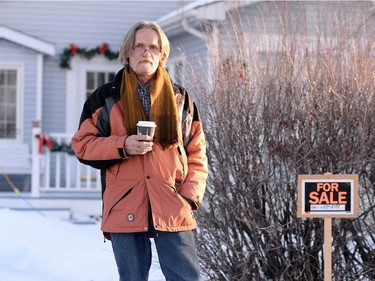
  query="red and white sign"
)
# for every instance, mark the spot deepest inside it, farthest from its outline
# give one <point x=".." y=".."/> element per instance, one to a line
<point x="328" y="195"/>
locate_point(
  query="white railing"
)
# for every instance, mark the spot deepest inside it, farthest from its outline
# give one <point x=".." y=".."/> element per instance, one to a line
<point x="60" y="171"/>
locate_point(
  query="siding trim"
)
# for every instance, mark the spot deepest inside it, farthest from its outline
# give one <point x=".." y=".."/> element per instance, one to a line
<point x="27" y="41"/>
<point x="39" y="87"/>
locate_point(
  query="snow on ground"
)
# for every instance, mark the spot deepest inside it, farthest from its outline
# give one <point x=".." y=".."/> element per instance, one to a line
<point x="38" y="248"/>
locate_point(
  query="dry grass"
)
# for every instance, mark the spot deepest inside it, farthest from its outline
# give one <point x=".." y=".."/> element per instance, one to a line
<point x="276" y="107"/>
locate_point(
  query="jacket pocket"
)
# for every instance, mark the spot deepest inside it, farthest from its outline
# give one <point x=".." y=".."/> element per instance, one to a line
<point x="176" y="210"/>
<point x="183" y="199"/>
<point x="122" y="197"/>
<point x="111" y="199"/>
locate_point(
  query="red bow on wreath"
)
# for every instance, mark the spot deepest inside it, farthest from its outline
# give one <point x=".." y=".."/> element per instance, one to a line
<point x="103" y="48"/>
<point x="73" y="49"/>
<point x="44" y="140"/>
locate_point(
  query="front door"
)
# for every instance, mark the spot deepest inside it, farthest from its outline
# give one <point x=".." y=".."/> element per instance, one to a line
<point x="83" y="78"/>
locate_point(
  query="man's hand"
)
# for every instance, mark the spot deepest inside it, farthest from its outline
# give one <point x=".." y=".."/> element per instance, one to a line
<point x="138" y="144"/>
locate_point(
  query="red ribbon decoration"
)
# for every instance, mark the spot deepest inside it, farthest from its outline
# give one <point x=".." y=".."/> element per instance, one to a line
<point x="73" y="49"/>
<point x="44" y="140"/>
<point x="103" y="48"/>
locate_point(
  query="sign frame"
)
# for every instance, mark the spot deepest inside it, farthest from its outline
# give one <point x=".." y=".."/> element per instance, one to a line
<point x="328" y="178"/>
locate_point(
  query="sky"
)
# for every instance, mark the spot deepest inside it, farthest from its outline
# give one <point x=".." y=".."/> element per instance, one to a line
<point x="38" y="248"/>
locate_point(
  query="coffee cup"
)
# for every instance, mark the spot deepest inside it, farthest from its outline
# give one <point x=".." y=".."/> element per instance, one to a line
<point x="146" y="128"/>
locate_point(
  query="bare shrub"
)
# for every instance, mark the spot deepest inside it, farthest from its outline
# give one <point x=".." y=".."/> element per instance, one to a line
<point x="304" y="105"/>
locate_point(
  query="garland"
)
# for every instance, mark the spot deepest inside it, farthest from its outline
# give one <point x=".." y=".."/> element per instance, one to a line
<point x="73" y="50"/>
<point x="53" y="145"/>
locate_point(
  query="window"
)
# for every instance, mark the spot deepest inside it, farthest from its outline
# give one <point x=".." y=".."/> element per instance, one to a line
<point x="94" y="79"/>
<point x="8" y="103"/>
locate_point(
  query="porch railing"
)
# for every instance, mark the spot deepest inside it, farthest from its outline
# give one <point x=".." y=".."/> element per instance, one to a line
<point x="59" y="171"/>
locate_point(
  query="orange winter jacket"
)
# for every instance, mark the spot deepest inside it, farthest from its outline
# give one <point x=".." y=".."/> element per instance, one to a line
<point x="172" y="181"/>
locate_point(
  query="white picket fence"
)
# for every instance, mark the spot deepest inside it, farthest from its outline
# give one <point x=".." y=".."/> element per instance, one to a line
<point x="60" y="171"/>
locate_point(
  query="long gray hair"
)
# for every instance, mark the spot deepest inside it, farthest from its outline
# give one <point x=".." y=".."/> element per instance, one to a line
<point x="127" y="44"/>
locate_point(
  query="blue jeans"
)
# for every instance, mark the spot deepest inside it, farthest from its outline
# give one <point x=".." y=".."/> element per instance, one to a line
<point x="176" y="251"/>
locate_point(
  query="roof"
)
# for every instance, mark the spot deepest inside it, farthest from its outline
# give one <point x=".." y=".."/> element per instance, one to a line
<point x="206" y="10"/>
<point x="27" y="41"/>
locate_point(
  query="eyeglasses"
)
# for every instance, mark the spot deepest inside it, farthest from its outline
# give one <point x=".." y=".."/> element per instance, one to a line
<point x="140" y="49"/>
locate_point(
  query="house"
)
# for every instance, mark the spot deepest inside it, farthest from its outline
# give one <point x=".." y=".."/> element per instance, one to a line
<point x="40" y="101"/>
<point x="54" y="54"/>
<point x="195" y="28"/>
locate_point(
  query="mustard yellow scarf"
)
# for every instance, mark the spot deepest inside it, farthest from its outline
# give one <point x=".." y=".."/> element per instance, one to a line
<point x="163" y="106"/>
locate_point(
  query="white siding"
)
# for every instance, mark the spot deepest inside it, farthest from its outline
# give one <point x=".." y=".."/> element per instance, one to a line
<point x="86" y="24"/>
<point x="196" y="55"/>
<point x="303" y="16"/>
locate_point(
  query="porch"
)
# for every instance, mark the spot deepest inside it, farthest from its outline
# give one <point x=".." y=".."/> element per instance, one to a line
<point x="56" y="183"/>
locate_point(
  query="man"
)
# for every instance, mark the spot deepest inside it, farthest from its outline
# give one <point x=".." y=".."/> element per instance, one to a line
<point x="151" y="186"/>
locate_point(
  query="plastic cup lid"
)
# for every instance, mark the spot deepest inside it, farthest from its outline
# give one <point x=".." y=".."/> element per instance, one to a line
<point x="146" y="124"/>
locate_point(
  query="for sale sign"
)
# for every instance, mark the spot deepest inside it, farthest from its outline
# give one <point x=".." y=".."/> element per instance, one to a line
<point x="328" y="196"/>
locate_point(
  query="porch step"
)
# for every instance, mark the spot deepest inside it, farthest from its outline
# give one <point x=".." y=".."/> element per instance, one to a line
<point x="60" y="213"/>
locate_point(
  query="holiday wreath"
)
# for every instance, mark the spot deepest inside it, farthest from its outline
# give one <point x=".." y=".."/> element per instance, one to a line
<point x="73" y="50"/>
